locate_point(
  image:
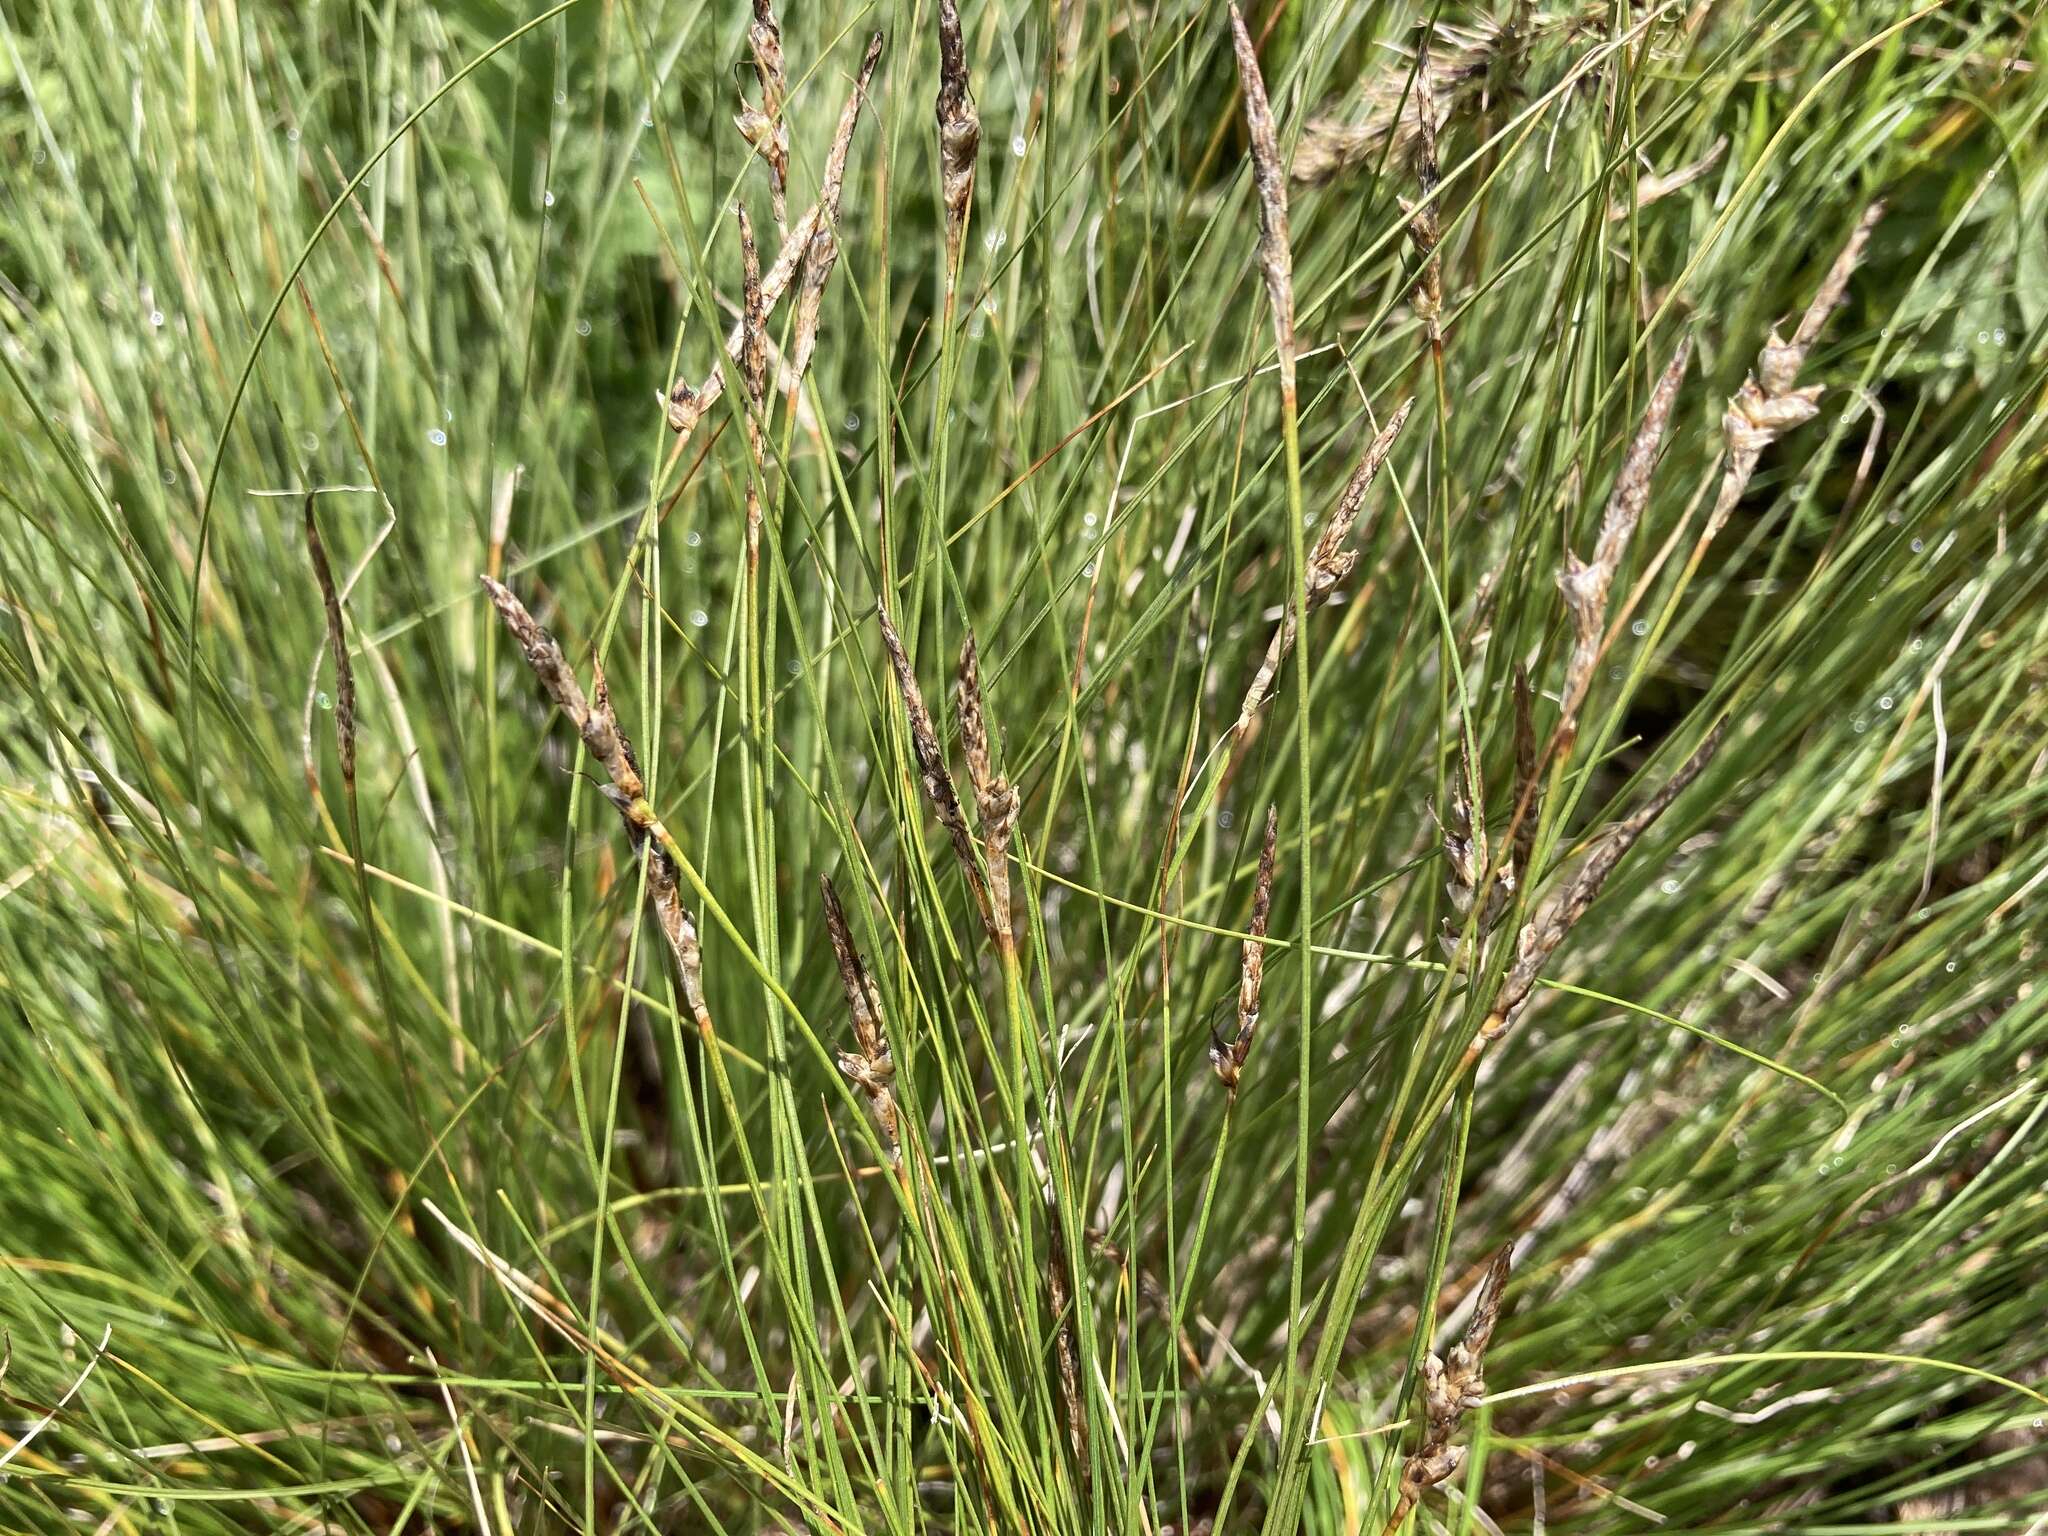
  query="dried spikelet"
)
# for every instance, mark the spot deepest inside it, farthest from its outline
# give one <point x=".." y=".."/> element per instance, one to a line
<point x="1059" y="1297"/>
<point x="1328" y="563"/>
<point x="1456" y="64"/>
<point x="1463" y="826"/>
<point x="754" y="372"/>
<point x="1276" y="258"/>
<point x="765" y="129"/>
<point x="1525" y="798"/>
<point x="824" y="250"/>
<point x="1229" y="1059"/>
<point x="337" y="642"/>
<point x="996" y="801"/>
<point x="598" y="724"/>
<point x="1654" y="188"/>
<point x="959" y="132"/>
<point x="1425" y="228"/>
<point x="1767" y="406"/>
<point x="1561" y="911"/>
<point x="1451" y="1388"/>
<point x="931" y="764"/>
<point x="679" y="931"/>
<point x="687" y="405"/>
<point x="1586" y="584"/>
<point x="869" y="1064"/>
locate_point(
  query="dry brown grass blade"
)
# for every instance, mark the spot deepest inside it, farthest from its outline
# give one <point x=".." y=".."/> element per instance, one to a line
<point x="931" y="765"/>
<point x="1229" y="1059"/>
<point x="959" y="133"/>
<point x="337" y="642"/>
<point x="1769" y="404"/>
<point x="996" y="802"/>
<point x="1328" y="563"/>
<point x="1587" y="583"/>
<point x="1561" y="911"/>
<point x="869" y="1064"/>
<point x="1269" y="178"/>
<point x="824" y="250"/>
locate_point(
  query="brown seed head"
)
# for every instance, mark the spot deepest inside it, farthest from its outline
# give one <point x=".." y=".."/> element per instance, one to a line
<point x="931" y="761"/>
<point x="824" y="248"/>
<point x="996" y="801"/>
<point x="1229" y="1060"/>
<point x="1276" y="258"/>
<point x="1586" y="584"/>
<point x="959" y="130"/>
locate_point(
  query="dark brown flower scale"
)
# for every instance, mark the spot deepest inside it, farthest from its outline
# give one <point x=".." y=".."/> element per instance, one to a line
<point x="754" y="372"/>
<point x="1229" y="1059"/>
<point x="598" y="725"/>
<point x="1451" y="1388"/>
<point x="765" y="128"/>
<point x="996" y="801"/>
<point x="1525" y="798"/>
<point x="931" y="765"/>
<point x="869" y="1064"/>
<point x="810" y="246"/>
<point x="824" y="251"/>
<point x="1328" y="563"/>
<point x="959" y="132"/>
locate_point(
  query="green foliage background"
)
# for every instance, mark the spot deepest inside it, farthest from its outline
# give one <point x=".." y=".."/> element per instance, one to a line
<point x="366" y="1131"/>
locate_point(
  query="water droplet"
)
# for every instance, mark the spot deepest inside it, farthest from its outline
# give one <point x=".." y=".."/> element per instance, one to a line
<point x="1885" y="702"/>
<point x="323" y="700"/>
<point x="853" y="421"/>
<point x="1918" y="545"/>
<point x="693" y="538"/>
<point x="699" y="618"/>
<point x="1982" y="337"/>
<point x="1018" y="146"/>
<point x="996" y="239"/>
<point x="1859" y="725"/>
<point x="1223" y="820"/>
<point x="438" y="438"/>
<point x="1998" y="335"/>
<point x="1950" y="967"/>
<point x="646" y="120"/>
<point x="561" y="98"/>
<point x="582" y="327"/>
<point x="1088" y="520"/>
<point x="1669" y="885"/>
<point x="291" y="135"/>
<point x="1640" y="628"/>
<point x="1088" y="569"/>
<point x="547" y="199"/>
<point x="156" y="318"/>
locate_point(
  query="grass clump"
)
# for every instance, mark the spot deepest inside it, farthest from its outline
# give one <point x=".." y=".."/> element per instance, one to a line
<point x="1483" y="969"/>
